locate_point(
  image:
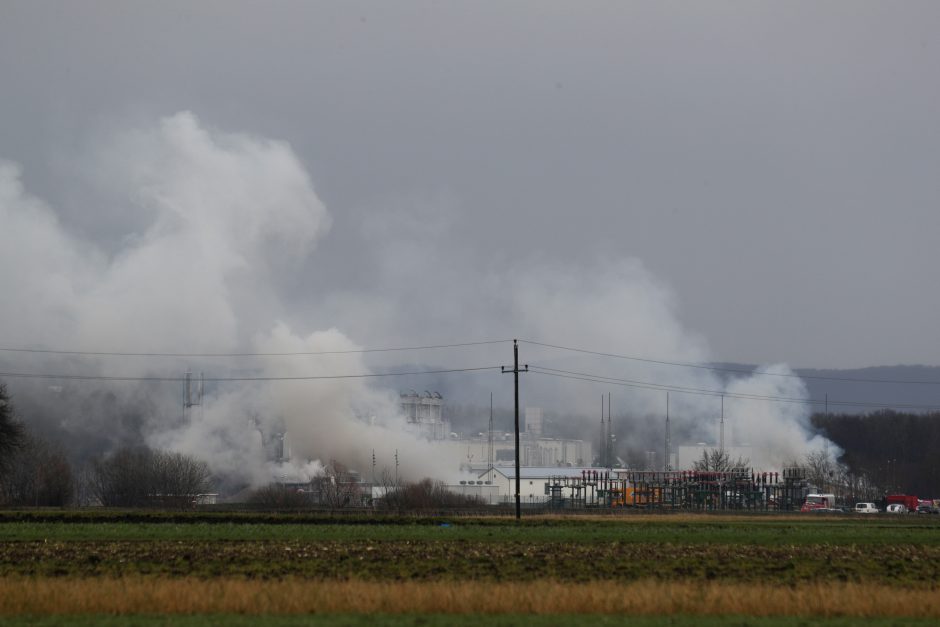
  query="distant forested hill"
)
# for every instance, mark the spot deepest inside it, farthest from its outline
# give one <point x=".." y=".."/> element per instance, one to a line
<point x="899" y="452"/>
<point x="897" y="447"/>
<point x="920" y="385"/>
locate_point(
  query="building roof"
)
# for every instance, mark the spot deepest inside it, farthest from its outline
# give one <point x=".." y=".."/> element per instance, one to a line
<point x="540" y="472"/>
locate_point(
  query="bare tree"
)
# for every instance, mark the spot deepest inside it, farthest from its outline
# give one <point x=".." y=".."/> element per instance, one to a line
<point x="38" y="473"/>
<point x="123" y="478"/>
<point x="337" y="487"/>
<point x="390" y="491"/>
<point x="12" y="433"/>
<point x="141" y="477"/>
<point x="718" y="460"/>
<point x="828" y="474"/>
<point x="428" y="494"/>
<point x="821" y="470"/>
<point x="277" y="496"/>
<point x="85" y="493"/>
<point x="177" y="479"/>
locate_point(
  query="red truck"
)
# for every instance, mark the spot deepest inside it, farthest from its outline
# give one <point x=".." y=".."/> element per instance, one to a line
<point x="819" y="503"/>
<point x="907" y="500"/>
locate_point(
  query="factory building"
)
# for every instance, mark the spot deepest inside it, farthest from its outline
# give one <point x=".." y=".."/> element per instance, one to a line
<point x="534" y="481"/>
<point x="480" y="489"/>
<point x="555" y="452"/>
<point x="424" y="414"/>
<point x="533" y="421"/>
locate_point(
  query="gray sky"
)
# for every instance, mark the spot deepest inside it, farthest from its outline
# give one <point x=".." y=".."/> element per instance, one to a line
<point x="773" y="166"/>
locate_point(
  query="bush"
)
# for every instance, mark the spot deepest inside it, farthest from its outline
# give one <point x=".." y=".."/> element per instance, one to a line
<point x="38" y="473"/>
<point x="12" y="434"/>
<point x="427" y="494"/>
<point x="141" y="477"/>
<point x="275" y="496"/>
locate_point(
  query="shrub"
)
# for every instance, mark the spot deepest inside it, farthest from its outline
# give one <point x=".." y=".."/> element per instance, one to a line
<point x="141" y="477"/>
<point x="38" y="473"/>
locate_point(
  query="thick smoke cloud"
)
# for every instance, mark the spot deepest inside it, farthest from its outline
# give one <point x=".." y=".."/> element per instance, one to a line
<point x="227" y="213"/>
<point x="614" y="305"/>
<point x="227" y="228"/>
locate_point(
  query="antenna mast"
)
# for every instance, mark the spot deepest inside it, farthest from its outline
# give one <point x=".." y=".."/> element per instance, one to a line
<point x="721" y="434"/>
<point x="489" y="444"/>
<point x="601" y="447"/>
<point x="667" y="466"/>
<point x="610" y="434"/>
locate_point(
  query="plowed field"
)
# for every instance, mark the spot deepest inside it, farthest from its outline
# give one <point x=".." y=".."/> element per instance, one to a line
<point x="130" y="563"/>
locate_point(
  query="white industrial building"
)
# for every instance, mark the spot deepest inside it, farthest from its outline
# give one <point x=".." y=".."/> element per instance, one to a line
<point x="424" y="414"/>
<point x="555" y="452"/>
<point x="534" y="421"/>
<point x="533" y="481"/>
<point x="482" y="489"/>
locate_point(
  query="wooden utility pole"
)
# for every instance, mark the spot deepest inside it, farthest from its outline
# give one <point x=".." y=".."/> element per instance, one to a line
<point x="515" y="371"/>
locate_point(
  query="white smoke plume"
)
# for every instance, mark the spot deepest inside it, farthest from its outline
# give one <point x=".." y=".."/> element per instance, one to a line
<point x="228" y="215"/>
<point x="621" y="308"/>
<point x="227" y="222"/>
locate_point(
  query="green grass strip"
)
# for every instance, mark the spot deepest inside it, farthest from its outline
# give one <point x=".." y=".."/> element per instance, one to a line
<point x="766" y="533"/>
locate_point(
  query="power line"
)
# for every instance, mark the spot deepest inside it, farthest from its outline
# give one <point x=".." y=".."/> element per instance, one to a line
<point x="593" y="378"/>
<point x="81" y="377"/>
<point x="284" y="354"/>
<point x="457" y="345"/>
<point x="724" y="369"/>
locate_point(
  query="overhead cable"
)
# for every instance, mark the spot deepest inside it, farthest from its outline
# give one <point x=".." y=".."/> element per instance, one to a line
<point x="725" y="369"/>
<point x="282" y="354"/>
<point x="81" y="377"/>
<point x="593" y="378"/>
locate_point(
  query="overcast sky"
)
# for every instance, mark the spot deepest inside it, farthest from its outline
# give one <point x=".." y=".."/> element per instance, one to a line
<point x="774" y="167"/>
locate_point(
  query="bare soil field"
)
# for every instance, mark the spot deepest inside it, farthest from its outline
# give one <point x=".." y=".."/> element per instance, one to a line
<point x="140" y="565"/>
<point x="473" y="560"/>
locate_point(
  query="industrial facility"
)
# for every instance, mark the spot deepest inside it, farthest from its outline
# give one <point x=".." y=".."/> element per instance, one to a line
<point x="424" y="414"/>
<point x="736" y="489"/>
<point x="555" y="473"/>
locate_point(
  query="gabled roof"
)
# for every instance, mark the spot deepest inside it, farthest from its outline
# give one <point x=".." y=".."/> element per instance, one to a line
<point x="540" y="472"/>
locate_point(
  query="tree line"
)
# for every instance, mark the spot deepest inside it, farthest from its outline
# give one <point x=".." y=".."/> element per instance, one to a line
<point x="339" y="488"/>
<point x="35" y="472"/>
<point x="879" y="453"/>
<point x="893" y="451"/>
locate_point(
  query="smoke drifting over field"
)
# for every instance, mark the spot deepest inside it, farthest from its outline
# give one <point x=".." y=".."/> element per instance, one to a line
<point x="227" y="229"/>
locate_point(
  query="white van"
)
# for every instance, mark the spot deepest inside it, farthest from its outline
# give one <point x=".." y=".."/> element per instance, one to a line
<point x="865" y="508"/>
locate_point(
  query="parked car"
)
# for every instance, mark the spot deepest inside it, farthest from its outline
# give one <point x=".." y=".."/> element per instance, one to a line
<point x="909" y="501"/>
<point x="826" y="510"/>
<point x="896" y="508"/>
<point x="866" y="508"/>
<point x="927" y="509"/>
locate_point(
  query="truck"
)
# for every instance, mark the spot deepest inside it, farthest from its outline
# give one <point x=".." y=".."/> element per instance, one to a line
<point x="819" y="502"/>
<point x="908" y="501"/>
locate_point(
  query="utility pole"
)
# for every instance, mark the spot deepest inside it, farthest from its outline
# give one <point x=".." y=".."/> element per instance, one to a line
<point x="515" y="371"/>
<point x="601" y="447"/>
<point x="721" y="436"/>
<point x="610" y="435"/>
<point x="489" y="444"/>
<point x="666" y="464"/>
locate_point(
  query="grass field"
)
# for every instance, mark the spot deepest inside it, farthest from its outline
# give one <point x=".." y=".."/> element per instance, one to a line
<point x="452" y="620"/>
<point x="429" y="570"/>
<point x="680" y="529"/>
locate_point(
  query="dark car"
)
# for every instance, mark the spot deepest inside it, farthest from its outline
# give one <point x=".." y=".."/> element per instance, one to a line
<point x="927" y="509"/>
